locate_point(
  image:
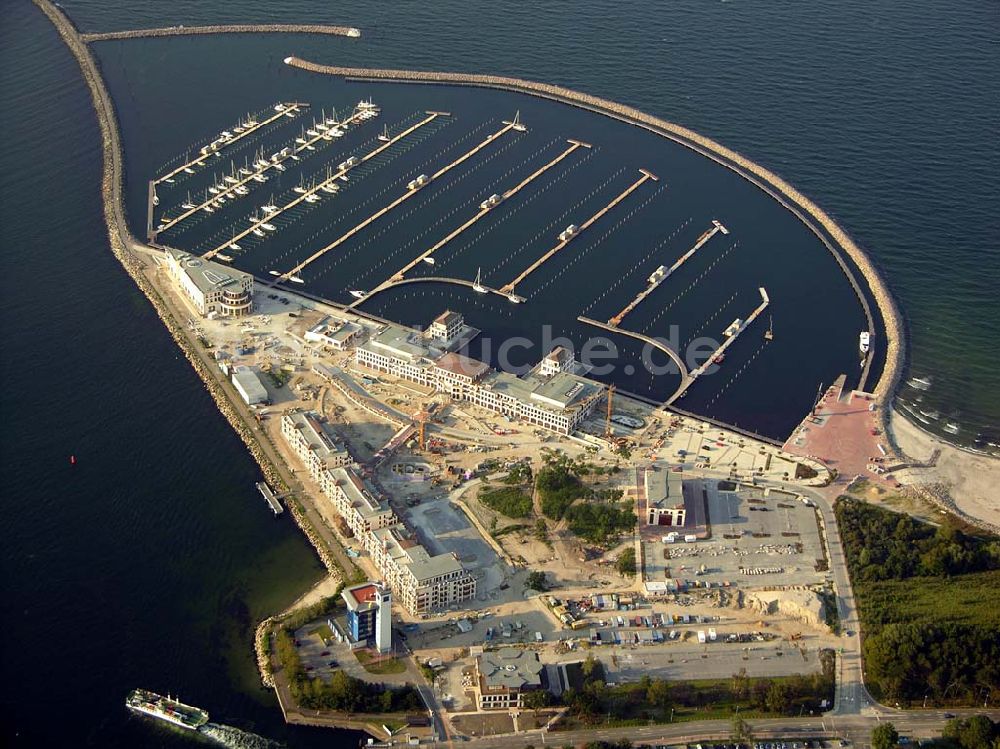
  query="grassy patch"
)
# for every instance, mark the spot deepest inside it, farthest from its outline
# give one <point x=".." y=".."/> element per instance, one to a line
<point x="511" y="501"/>
<point x="323" y="631"/>
<point x="375" y="665"/>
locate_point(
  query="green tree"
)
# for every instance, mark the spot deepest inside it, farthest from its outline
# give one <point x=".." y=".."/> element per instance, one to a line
<point x="537" y="699"/>
<point x="885" y="736"/>
<point x="536" y="581"/>
<point x="625" y="563"/>
<point x="742" y="733"/>
<point x="658" y="694"/>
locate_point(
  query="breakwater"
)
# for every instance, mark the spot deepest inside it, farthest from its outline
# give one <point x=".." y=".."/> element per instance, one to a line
<point x="837" y="241"/>
<point x="238" y="28"/>
<point x="124" y="246"/>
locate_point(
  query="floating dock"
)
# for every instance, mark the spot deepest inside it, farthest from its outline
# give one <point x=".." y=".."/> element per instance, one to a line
<point x="412" y="189"/>
<point x="288" y="109"/>
<point x="272" y="500"/>
<point x="229" y="190"/>
<point x="342" y="170"/>
<point x="661" y="274"/>
<point x="731" y="334"/>
<point x="569" y="234"/>
<point x="485" y="207"/>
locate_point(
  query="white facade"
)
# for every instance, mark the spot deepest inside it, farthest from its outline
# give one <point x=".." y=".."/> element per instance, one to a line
<point x="213" y="289"/>
<point x="306" y="435"/>
<point x="552" y="397"/>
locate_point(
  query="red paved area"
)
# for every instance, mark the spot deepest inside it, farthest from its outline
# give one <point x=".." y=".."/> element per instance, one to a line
<point x="839" y="433"/>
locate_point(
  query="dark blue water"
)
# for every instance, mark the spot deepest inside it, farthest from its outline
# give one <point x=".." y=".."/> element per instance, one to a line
<point x="150" y="560"/>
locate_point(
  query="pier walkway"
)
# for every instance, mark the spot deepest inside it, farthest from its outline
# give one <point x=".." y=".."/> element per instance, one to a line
<point x="289" y="109"/>
<point x="255" y="225"/>
<point x="646" y="176"/>
<point x="698" y="372"/>
<point x="479" y="288"/>
<point x="654" y="284"/>
<point x="238" y="28"/>
<point x="410" y="192"/>
<point x="229" y="190"/>
<point x="656" y="343"/>
<point x="483" y="211"/>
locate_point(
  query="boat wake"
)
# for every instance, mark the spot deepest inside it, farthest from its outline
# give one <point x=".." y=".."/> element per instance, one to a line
<point x="234" y="738"/>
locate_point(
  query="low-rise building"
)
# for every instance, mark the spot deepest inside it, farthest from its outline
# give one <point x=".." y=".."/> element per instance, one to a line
<point x="249" y="386"/>
<point x="213" y="289"/>
<point x="504" y="676"/>
<point x="336" y="334"/>
<point x="673" y="502"/>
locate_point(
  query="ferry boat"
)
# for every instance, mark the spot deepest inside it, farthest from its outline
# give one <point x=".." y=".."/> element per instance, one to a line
<point x="166" y="709"/>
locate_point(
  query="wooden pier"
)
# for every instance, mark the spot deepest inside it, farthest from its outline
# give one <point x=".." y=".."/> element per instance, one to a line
<point x="398" y="276"/>
<point x="230" y="188"/>
<point x="653" y="285"/>
<point x="646" y="176"/>
<point x="431" y="116"/>
<point x="696" y="373"/>
<point x="292" y="107"/>
<point x="272" y="499"/>
<point x="397" y="202"/>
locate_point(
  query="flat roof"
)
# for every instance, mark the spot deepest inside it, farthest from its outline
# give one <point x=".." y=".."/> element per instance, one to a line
<point x="398" y="342"/>
<point x="511" y="668"/>
<point x="250" y="383"/>
<point x="564" y="390"/>
<point x="207" y="275"/>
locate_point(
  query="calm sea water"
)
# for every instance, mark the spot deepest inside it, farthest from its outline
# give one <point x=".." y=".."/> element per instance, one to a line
<point x="149" y="561"/>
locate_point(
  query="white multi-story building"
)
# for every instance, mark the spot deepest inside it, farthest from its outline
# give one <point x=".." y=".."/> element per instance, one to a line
<point x="335" y="334"/>
<point x="312" y="443"/>
<point x="355" y="502"/>
<point x="421" y="581"/>
<point x="446" y="326"/>
<point x="552" y="396"/>
<point x="213" y="289"/>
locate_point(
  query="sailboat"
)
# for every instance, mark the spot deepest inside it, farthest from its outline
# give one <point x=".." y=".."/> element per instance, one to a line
<point x="516" y="123"/>
<point x="769" y="333"/>
<point x="384" y="137"/>
<point x="477" y="285"/>
<point x="187" y="205"/>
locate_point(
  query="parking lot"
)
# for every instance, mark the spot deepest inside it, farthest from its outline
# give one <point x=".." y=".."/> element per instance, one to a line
<point x="757" y="540"/>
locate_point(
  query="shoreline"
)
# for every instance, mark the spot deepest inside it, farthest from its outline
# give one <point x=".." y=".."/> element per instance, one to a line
<point x="124" y="246"/>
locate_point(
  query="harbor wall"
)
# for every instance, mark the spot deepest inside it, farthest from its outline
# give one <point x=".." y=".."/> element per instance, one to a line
<point x="804" y="208"/>
<point x="124" y="245"/>
<point x="239" y="28"/>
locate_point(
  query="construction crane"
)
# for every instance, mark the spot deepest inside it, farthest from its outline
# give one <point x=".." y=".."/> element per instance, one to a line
<point x="607" y="420"/>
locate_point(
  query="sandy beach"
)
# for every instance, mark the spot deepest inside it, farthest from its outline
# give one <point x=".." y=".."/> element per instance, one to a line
<point x="970" y="479"/>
